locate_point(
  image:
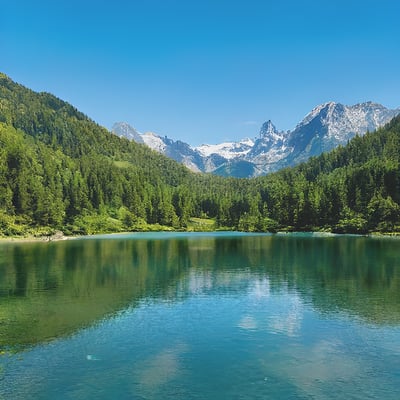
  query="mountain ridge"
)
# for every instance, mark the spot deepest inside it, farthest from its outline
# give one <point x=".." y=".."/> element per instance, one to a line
<point x="60" y="170"/>
<point x="325" y="127"/>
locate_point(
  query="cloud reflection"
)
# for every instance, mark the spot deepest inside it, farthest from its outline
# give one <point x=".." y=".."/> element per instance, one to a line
<point x="160" y="369"/>
<point x="315" y="367"/>
<point x="248" y="322"/>
<point x="288" y="323"/>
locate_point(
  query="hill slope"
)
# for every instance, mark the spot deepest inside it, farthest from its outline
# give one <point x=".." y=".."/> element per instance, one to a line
<point x="60" y="170"/>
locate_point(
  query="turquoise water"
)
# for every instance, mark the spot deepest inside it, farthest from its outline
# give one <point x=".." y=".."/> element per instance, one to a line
<point x="201" y="316"/>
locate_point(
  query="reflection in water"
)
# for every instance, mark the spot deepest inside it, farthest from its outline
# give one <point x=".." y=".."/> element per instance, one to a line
<point x="325" y="361"/>
<point x="289" y="321"/>
<point x="210" y="316"/>
<point x="52" y="289"/>
<point x="248" y="322"/>
<point x="153" y="373"/>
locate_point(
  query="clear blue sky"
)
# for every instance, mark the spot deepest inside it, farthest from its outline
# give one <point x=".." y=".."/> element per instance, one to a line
<point x="203" y="71"/>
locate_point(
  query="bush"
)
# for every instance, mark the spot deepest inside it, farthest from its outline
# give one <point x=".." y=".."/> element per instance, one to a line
<point x="9" y="226"/>
<point x="91" y="224"/>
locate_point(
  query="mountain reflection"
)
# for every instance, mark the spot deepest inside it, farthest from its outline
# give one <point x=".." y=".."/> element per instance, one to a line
<point x="52" y="289"/>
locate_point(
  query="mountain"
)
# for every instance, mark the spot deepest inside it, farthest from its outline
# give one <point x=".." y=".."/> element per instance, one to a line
<point x="228" y="150"/>
<point x="332" y="124"/>
<point x="59" y="170"/>
<point x="122" y="129"/>
<point x="192" y="158"/>
<point x="270" y="147"/>
<point x="177" y="150"/>
<point x="324" y="128"/>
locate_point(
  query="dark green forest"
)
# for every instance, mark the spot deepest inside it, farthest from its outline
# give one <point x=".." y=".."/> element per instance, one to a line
<point x="59" y="170"/>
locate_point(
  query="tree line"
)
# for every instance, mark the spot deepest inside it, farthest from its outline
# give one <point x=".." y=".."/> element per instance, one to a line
<point x="61" y="170"/>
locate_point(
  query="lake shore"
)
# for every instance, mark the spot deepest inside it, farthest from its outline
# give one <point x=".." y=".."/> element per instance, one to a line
<point x="29" y="239"/>
<point x="59" y="236"/>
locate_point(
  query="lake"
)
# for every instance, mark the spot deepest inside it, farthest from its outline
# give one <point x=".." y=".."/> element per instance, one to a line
<point x="201" y="316"/>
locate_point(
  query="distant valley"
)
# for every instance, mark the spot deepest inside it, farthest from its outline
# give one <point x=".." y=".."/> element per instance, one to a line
<point x="324" y="128"/>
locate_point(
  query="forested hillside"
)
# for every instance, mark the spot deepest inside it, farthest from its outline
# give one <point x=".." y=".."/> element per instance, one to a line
<point x="60" y="170"/>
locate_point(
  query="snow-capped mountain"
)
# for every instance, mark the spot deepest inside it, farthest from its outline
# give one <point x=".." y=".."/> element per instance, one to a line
<point x="269" y="148"/>
<point x="332" y="124"/>
<point x="177" y="150"/>
<point x="123" y="129"/>
<point x="228" y="150"/>
<point x="324" y="128"/>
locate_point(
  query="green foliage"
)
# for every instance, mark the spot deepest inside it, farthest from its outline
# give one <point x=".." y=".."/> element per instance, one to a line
<point x="9" y="226"/>
<point x="91" y="224"/>
<point x="383" y="213"/>
<point x="351" y="222"/>
<point x="201" y="224"/>
<point x="60" y="170"/>
<point x="269" y="225"/>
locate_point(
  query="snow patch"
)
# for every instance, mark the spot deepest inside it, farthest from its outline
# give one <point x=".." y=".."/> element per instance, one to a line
<point x="154" y="141"/>
<point x="228" y="150"/>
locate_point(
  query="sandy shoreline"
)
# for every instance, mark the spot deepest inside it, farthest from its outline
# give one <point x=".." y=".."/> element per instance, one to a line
<point x="31" y="239"/>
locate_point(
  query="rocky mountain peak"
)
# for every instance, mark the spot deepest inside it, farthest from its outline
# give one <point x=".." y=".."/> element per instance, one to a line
<point x="268" y="129"/>
<point x="123" y="129"/>
<point x="321" y="112"/>
<point x="325" y="127"/>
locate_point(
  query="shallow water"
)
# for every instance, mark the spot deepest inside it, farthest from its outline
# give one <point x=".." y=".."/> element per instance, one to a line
<point x="201" y="316"/>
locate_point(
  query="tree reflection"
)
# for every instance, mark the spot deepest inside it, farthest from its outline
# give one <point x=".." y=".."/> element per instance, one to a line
<point x="52" y="289"/>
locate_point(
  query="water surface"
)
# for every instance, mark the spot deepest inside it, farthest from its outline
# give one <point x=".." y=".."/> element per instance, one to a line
<point x="201" y="316"/>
